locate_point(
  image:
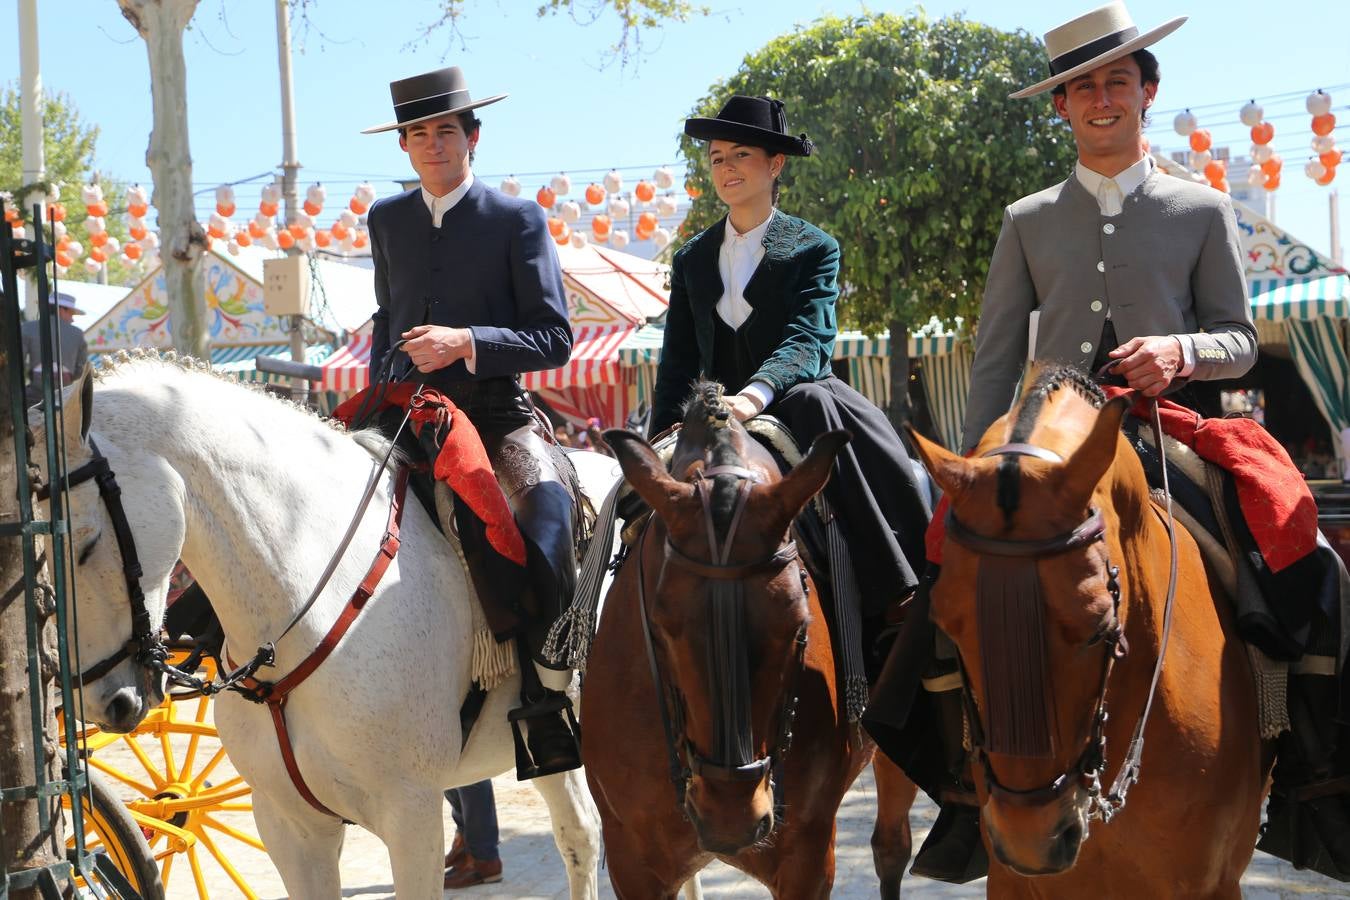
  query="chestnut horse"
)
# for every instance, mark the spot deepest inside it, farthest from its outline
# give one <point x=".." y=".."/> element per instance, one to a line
<point x="744" y="752"/>
<point x="1054" y="588"/>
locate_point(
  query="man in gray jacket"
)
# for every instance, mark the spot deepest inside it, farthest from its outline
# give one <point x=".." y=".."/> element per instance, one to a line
<point x="1123" y="269"/>
<point x="1120" y="264"/>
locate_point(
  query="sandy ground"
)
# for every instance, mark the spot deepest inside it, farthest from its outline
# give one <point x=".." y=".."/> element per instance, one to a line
<point x="533" y="869"/>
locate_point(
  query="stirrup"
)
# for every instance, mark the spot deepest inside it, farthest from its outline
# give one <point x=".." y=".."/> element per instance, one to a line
<point x="568" y="729"/>
<point x="1289" y="833"/>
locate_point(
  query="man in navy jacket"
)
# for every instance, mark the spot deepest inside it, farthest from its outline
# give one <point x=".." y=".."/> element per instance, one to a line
<point x="470" y="294"/>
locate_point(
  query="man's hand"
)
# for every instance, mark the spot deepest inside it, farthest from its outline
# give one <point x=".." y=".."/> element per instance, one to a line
<point x="433" y="347"/>
<point x="744" y="406"/>
<point x="1148" y="364"/>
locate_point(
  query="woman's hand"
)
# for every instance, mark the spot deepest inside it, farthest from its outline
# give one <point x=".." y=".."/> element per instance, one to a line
<point x="744" y="406"/>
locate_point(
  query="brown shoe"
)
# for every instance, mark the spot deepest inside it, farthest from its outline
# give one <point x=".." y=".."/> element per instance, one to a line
<point x="473" y="871"/>
<point x="459" y="852"/>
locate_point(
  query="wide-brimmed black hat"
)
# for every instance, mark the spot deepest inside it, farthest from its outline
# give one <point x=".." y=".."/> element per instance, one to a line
<point x="756" y="121"/>
<point x="429" y="96"/>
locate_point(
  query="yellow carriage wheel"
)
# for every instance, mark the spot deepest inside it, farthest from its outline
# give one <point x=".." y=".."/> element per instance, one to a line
<point x="109" y="827"/>
<point x="175" y="779"/>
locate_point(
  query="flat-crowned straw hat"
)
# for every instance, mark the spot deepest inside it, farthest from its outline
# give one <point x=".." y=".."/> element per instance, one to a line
<point x="1091" y="40"/>
<point x="753" y="121"/>
<point x="430" y="96"/>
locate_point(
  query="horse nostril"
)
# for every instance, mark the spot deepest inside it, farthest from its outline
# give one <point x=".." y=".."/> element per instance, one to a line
<point x="122" y="707"/>
<point x="1066" y="844"/>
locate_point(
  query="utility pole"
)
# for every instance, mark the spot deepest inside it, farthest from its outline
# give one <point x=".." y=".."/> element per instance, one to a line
<point x="30" y="119"/>
<point x="1334" y="201"/>
<point x="290" y="167"/>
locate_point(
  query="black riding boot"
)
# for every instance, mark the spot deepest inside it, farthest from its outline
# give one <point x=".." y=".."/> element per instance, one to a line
<point x="552" y="738"/>
<point x="953" y="851"/>
<point x="1308" y="816"/>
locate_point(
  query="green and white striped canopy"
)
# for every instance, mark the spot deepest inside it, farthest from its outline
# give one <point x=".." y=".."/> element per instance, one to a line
<point x="1278" y="299"/>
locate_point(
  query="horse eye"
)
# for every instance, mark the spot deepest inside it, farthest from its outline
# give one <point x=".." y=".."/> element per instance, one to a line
<point x="87" y="550"/>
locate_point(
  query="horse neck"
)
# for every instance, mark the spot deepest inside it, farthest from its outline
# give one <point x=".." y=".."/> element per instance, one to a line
<point x="1145" y="553"/>
<point x="267" y="490"/>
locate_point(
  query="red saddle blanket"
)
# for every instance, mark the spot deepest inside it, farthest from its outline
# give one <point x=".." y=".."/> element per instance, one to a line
<point x="462" y="462"/>
<point x="1276" y="503"/>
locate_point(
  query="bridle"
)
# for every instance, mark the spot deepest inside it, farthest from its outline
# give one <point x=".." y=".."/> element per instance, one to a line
<point x="1087" y="769"/>
<point x="732" y="758"/>
<point x="144" y="645"/>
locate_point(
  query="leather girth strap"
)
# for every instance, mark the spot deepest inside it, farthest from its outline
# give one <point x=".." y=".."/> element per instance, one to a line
<point x="276" y="693"/>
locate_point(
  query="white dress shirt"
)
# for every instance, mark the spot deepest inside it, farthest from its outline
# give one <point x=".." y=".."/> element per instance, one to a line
<point x="1111" y="193"/>
<point x="438" y="207"/>
<point x="740" y="256"/>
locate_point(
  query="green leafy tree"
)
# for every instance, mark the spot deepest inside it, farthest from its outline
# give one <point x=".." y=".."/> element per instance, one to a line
<point x="69" y="149"/>
<point x="918" y="149"/>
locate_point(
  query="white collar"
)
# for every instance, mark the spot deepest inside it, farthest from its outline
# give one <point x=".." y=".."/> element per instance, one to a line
<point x="755" y="235"/>
<point x="1127" y="180"/>
<point x="449" y="200"/>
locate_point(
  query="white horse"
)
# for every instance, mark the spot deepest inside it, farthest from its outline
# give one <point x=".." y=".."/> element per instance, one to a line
<point x="252" y="494"/>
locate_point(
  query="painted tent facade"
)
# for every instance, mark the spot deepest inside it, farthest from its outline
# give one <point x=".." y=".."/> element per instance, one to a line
<point x="239" y="328"/>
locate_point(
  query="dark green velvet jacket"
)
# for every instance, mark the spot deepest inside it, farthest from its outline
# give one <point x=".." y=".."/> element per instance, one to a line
<point x="791" y="329"/>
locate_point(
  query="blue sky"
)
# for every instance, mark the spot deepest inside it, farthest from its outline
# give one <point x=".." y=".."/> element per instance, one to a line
<point x="569" y="112"/>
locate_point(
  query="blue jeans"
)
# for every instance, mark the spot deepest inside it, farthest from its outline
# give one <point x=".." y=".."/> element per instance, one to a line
<point x="474" y="809"/>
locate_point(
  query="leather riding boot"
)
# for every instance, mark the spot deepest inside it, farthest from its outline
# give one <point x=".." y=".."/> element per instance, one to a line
<point x="552" y="738"/>
<point x="1308" y="816"/>
<point x="953" y="851"/>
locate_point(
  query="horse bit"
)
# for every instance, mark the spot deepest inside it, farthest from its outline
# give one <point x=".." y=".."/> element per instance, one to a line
<point x="733" y="750"/>
<point x="1090" y="765"/>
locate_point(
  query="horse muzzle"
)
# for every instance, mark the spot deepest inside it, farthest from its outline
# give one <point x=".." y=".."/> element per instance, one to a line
<point x="730" y="816"/>
<point x="122" y="708"/>
<point x="1021" y="843"/>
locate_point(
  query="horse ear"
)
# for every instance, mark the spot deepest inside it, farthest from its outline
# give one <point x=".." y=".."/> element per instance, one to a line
<point x="951" y="472"/>
<point x="1091" y="460"/>
<point x="643" y="469"/>
<point x="77" y="411"/>
<point x="807" y="478"/>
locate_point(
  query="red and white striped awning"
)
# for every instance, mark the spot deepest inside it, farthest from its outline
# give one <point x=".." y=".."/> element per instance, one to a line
<point x="349" y="368"/>
<point x="594" y="360"/>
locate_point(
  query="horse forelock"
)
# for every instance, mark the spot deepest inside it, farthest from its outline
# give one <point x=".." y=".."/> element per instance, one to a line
<point x="1047" y="381"/>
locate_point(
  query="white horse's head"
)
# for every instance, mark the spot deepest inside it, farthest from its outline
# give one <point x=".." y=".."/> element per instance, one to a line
<point x="152" y="498"/>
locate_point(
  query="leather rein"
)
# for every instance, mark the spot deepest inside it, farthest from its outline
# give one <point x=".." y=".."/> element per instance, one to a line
<point x="148" y="649"/>
<point x="730" y="767"/>
<point x="1087" y="769"/>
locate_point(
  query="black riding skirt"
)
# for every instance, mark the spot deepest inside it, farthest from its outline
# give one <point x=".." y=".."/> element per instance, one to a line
<point x="873" y="486"/>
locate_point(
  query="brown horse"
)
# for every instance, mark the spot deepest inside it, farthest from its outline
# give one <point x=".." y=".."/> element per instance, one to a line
<point x="1054" y="588"/>
<point x="745" y="751"/>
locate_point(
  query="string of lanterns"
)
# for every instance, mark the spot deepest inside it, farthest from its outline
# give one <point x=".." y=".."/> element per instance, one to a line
<point x="1267" y="166"/>
<point x="565" y="215"/>
<point x="1322" y="167"/>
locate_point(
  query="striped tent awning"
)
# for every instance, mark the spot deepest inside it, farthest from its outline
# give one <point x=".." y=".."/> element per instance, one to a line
<point x="349" y="368"/>
<point x="238" y="360"/>
<point x="594" y="360"/>
<point x="1278" y="299"/>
